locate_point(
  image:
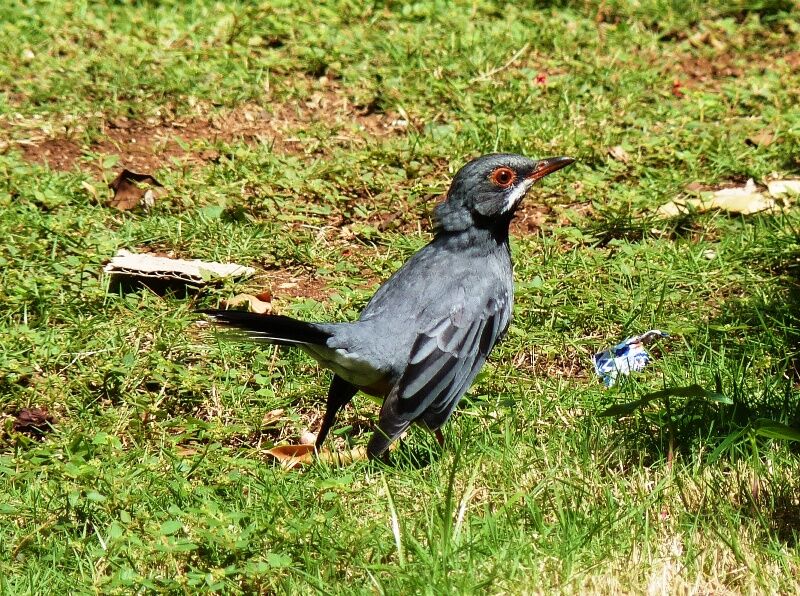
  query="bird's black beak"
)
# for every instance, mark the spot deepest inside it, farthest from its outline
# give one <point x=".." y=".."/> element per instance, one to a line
<point x="548" y="166"/>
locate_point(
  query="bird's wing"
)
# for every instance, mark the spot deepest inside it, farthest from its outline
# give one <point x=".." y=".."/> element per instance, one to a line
<point x="446" y="356"/>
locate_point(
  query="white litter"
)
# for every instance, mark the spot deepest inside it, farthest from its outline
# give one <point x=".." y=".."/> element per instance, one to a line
<point x="129" y="264"/>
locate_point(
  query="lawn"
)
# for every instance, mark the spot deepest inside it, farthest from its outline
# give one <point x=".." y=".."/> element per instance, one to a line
<point x="311" y="141"/>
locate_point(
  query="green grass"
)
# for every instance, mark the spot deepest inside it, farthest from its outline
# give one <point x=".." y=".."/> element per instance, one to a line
<point x="155" y="477"/>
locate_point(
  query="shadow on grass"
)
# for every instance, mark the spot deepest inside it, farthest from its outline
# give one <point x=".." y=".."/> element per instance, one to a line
<point x="755" y="344"/>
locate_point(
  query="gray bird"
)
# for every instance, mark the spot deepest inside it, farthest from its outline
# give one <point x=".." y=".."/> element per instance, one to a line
<point x="427" y="331"/>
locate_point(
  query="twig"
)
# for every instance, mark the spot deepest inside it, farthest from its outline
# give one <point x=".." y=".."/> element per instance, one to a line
<point x="487" y="75"/>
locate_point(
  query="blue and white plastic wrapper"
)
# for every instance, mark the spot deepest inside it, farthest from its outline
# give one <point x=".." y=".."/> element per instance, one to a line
<point x="630" y="355"/>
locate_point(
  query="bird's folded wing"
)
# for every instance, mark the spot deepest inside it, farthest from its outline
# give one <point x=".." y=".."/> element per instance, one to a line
<point x="445" y="358"/>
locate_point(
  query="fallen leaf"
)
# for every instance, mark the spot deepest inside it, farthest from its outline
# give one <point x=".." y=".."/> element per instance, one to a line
<point x="744" y="200"/>
<point x="295" y="456"/>
<point x="254" y="304"/>
<point x="763" y="138"/>
<point x="292" y="456"/>
<point x="131" y="189"/>
<point x="618" y="153"/>
<point x="265" y="296"/>
<point x="783" y="187"/>
<point x="33" y="421"/>
<point x="272" y="417"/>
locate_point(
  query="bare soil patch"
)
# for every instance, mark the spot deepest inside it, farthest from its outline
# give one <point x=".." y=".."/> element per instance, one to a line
<point x="146" y="145"/>
<point x="294" y="284"/>
<point x="709" y="72"/>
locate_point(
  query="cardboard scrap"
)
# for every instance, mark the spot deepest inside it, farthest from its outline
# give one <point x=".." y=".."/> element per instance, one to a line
<point x="128" y="264"/>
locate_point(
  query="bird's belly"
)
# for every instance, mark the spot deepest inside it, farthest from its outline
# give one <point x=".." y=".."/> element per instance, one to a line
<point x="354" y="369"/>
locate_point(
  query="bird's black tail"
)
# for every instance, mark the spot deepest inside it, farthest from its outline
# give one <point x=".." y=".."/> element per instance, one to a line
<point x="274" y="329"/>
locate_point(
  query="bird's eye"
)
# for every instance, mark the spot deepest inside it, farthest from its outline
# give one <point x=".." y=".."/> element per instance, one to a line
<point x="503" y="177"/>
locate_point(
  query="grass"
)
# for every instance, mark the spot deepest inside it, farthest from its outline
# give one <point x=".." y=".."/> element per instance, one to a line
<point x="275" y="130"/>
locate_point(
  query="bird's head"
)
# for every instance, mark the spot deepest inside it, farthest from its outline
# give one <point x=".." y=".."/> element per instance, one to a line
<point x="486" y="191"/>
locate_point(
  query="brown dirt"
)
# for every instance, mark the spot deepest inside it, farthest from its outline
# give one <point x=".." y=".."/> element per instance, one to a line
<point x="530" y="218"/>
<point x="709" y="72"/>
<point x="293" y="284"/>
<point x="146" y="145"/>
<point x="59" y="154"/>
<point x="792" y="60"/>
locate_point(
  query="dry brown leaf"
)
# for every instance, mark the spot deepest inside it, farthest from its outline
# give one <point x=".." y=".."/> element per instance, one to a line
<point x="292" y="456"/>
<point x="253" y="304"/>
<point x="131" y="189"/>
<point x="296" y="456"/>
<point x="273" y="416"/>
<point x="618" y="153"/>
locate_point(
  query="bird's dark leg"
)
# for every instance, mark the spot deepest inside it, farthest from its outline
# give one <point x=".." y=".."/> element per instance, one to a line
<point x="339" y="395"/>
<point x="390" y="426"/>
<point x="439" y="436"/>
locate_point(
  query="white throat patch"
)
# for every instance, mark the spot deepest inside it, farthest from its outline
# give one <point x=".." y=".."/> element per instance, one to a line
<point x="517" y="194"/>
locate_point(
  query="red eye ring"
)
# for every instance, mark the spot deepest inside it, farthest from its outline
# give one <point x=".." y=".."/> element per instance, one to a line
<point x="503" y="177"/>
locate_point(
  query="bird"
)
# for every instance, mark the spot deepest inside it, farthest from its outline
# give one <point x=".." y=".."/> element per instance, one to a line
<point x="427" y="331"/>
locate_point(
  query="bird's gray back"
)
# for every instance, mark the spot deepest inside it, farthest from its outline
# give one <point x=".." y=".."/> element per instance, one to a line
<point x="442" y="278"/>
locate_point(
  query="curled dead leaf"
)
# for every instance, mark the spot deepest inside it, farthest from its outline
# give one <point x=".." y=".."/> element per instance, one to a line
<point x="132" y="188"/>
<point x="292" y="456"/>
<point x="253" y="304"/>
